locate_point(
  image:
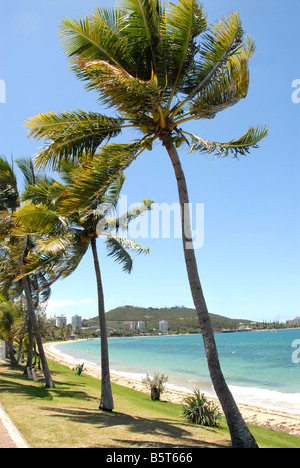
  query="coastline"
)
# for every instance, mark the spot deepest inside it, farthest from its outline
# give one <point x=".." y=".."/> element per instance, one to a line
<point x="259" y="416"/>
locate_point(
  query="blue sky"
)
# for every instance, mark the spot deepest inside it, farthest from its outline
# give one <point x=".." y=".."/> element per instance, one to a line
<point x="249" y="263"/>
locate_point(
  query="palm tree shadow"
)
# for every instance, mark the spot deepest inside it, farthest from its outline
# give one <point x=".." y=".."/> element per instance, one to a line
<point x="39" y="391"/>
<point x="142" y="432"/>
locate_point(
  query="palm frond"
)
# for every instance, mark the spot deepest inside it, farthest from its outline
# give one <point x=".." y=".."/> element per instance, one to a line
<point x="118" y="248"/>
<point x="112" y="195"/>
<point x="89" y="186"/>
<point x="27" y="168"/>
<point x="120" y="89"/>
<point x="228" y="87"/>
<point x="70" y="135"/>
<point x="221" y="41"/>
<point x="237" y="147"/>
<point x="40" y="288"/>
<point x="93" y="38"/>
<point x="34" y="219"/>
<point x="55" y="244"/>
<point x="56" y="257"/>
<point x="9" y="196"/>
<point x="119" y="253"/>
<point x="3" y="298"/>
<point x="133" y="213"/>
<point x="185" y="21"/>
<point x="141" y="22"/>
<point x="47" y="192"/>
<point x="7" y="174"/>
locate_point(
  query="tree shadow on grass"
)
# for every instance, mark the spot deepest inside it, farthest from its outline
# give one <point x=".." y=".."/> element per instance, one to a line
<point x="137" y="431"/>
<point x="34" y="390"/>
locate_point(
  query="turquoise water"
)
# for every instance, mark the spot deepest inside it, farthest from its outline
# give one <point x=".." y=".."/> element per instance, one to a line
<point x="258" y="366"/>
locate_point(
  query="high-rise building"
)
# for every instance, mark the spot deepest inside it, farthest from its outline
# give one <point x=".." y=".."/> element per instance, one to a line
<point x="129" y="326"/>
<point x="141" y="325"/>
<point x="61" y="320"/>
<point x="163" y="325"/>
<point x="76" y="322"/>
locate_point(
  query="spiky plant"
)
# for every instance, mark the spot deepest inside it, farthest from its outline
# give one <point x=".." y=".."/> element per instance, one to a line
<point x="197" y="409"/>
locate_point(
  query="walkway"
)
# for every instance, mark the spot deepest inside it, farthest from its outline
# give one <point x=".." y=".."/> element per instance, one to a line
<point x="10" y="437"/>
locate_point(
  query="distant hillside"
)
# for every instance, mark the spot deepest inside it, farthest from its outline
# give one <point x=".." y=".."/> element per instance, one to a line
<point x="180" y="319"/>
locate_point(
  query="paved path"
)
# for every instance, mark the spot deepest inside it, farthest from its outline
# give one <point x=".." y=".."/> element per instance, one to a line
<point x="10" y="437"/>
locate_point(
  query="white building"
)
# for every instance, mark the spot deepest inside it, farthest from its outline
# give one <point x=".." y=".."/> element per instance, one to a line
<point x="163" y="325"/>
<point x="61" y="320"/>
<point x="129" y="326"/>
<point x="295" y="321"/>
<point x="141" y="325"/>
<point x="76" y="322"/>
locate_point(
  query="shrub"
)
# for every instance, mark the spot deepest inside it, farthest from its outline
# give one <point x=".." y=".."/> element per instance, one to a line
<point x="199" y="410"/>
<point x="156" y="385"/>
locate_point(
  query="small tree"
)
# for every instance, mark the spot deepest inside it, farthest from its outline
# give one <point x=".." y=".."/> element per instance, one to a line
<point x="156" y="385"/>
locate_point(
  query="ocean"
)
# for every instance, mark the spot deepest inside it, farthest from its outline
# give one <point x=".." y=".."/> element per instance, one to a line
<point x="261" y="368"/>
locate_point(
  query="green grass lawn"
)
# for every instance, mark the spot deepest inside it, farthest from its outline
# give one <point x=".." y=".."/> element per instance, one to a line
<point x="68" y="416"/>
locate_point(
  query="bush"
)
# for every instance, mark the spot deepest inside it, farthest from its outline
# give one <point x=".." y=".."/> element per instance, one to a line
<point x="156" y="385"/>
<point x="199" y="410"/>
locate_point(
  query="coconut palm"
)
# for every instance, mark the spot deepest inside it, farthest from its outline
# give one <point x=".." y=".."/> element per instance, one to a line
<point x="157" y="67"/>
<point x="9" y="282"/>
<point x="67" y="228"/>
<point x="14" y="249"/>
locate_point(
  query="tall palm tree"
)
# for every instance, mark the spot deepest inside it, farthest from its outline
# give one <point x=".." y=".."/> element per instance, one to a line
<point x="157" y="67"/>
<point x="66" y="227"/>
<point x="17" y="248"/>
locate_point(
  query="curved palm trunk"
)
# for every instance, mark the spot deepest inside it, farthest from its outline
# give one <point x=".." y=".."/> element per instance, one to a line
<point x="106" y="402"/>
<point x="240" y="434"/>
<point x="26" y="286"/>
<point x="30" y="347"/>
<point x="48" y="379"/>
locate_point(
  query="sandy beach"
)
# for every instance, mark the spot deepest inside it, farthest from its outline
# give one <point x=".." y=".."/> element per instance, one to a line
<point x="270" y="419"/>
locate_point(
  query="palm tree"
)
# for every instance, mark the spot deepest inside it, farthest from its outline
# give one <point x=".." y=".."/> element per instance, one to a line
<point x="11" y="324"/>
<point x="17" y="248"/>
<point x="158" y="67"/>
<point x="68" y="227"/>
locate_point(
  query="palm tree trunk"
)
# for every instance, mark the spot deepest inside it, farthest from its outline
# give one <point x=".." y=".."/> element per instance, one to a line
<point x="240" y="434"/>
<point x="13" y="360"/>
<point x="48" y="379"/>
<point x="30" y="345"/>
<point x="26" y="286"/>
<point x="106" y="402"/>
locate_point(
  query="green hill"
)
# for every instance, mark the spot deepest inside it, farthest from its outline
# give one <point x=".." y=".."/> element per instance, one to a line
<point x="180" y="319"/>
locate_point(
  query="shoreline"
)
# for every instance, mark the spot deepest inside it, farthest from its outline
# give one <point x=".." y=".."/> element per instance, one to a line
<point x="259" y="416"/>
